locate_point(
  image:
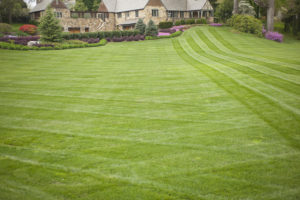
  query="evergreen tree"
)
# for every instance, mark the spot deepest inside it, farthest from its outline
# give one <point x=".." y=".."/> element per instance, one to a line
<point x="151" y="29"/>
<point x="140" y="26"/>
<point x="80" y="6"/>
<point x="49" y="27"/>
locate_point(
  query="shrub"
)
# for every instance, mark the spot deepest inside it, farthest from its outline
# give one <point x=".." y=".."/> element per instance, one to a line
<point x="246" y="23"/>
<point x="29" y="29"/>
<point x="182" y="22"/>
<point x="190" y="21"/>
<point x="274" y="36"/>
<point x="5" y="28"/>
<point x="177" y="23"/>
<point x="165" y="24"/>
<point x="34" y="22"/>
<point x="49" y="27"/>
<point x="201" y="21"/>
<point x="151" y="29"/>
<point x="140" y="26"/>
<point x="21" y="33"/>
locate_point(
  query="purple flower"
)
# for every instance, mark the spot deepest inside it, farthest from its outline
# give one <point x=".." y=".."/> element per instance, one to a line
<point x="163" y="34"/>
<point x="274" y="36"/>
<point x="215" y="24"/>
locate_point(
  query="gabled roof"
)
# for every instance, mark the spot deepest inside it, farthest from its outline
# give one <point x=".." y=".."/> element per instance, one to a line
<point x="45" y="3"/>
<point x="175" y="5"/>
<point x="124" y="5"/>
<point x="41" y="6"/>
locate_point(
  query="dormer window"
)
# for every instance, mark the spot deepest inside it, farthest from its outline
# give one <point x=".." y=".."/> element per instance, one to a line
<point x="58" y="14"/>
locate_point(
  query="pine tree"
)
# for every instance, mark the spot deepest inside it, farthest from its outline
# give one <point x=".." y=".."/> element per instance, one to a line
<point x="140" y="26"/>
<point x="50" y="28"/>
<point x="151" y="29"/>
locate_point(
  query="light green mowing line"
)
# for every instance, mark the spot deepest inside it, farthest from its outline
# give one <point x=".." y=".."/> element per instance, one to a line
<point x="185" y="118"/>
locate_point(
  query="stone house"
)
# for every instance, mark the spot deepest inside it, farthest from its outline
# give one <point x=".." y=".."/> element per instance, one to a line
<point x="123" y="14"/>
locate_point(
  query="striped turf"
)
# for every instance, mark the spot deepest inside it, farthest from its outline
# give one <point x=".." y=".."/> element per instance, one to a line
<point x="209" y="115"/>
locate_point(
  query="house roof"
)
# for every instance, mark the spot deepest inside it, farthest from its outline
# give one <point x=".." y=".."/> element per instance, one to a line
<point x="176" y="5"/>
<point x="45" y="3"/>
<point x="41" y="6"/>
<point x="129" y="22"/>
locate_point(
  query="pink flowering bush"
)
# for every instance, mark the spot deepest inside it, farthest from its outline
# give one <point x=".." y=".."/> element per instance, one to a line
<point x="215" y="24"/>
<point x="163" y="34"/>
<point x="274" y="36"/>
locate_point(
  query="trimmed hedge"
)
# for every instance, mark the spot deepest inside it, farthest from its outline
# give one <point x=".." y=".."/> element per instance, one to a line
<point x="5" y="45"/>
<point x="99" y="35"/>
<point x="246" y="23"/>
<point x="176" y="34"/>
<point x="190" y="21"/>
<point x="165" y="24"/>
<point x="201" y="21"/>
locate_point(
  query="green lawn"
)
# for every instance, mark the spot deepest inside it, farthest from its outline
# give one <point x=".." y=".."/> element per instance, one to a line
<point x="208" y="115"/>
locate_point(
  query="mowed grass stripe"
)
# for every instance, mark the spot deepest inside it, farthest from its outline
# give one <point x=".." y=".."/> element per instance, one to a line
<point x="268" y="88"/>
<point x="227" y="39"/>
<point x="238" y="77"/>
<point x="136" y="120"/>
<point x="270" y="109"/>
<point x="224" y="46"/>
<point x="259" y="68"/>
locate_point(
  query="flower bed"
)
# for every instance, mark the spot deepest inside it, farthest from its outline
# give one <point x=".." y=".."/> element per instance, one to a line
<point x="126" y="38"/>
<point x="23" y="40"/>
<point x="176" y="34"/>
<point x="216" y="24"/>
<point x="274" y="36"/>
<point x="12" y="46"/>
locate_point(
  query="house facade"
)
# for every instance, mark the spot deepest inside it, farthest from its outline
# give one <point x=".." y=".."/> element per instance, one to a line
<point x="123" y="14"/>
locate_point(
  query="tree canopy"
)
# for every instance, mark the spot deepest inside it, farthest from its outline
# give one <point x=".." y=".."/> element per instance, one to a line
<point x="12" y="8"/>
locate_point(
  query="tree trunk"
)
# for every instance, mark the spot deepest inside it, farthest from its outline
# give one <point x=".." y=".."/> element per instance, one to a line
<point x="235" y="7"/>
<point x="9" y="17"/>
<point x="270" y="15"/>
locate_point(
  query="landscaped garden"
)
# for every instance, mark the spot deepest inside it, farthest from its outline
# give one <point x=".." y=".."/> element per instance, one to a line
<point x="211" y="114"/>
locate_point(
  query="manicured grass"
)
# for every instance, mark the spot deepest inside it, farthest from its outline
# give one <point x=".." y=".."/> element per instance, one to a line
<point x="208" y="115"/>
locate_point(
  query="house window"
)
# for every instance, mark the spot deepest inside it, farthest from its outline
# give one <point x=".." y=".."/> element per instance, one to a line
<point x="58" y="14"/>
<point x="119" y="15"/>
<point x="136" y="13"/>
<point x="173" y="14"/>
<point x="155" y="13"/>
<point x="127" y="14"/>
<point x="102" y="16"/>
<point x="181" y="14"/>
<point x="86" y="29"/>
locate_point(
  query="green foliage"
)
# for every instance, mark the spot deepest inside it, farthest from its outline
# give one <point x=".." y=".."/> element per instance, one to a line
<point x="151" y="29"/>
<point x="80" y="6"/>
<point x="165" y="25"/>
<point x="176" y="34"/>
<point x="21" y="33"/>
<point x="100" y="35"/>
<point x="140" y="26"/>
<point x="177" y="23"/>
<point x="49" y="27"/>
<point x="201" y="21"/>
<point x="58" y="46"/>
<point x="34" y="22"/>
<point x="10" y="9"/>
<point x="87" y="5"/>
<point x="182" y="22"/>
<point x="246" y="23"/>
<point x="5" y="28"/>
<point x="190" y="21"/>
<point x="224" y="10"/>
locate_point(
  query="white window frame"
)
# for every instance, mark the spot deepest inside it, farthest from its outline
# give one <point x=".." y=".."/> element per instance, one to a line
<point x="155" y="13"/>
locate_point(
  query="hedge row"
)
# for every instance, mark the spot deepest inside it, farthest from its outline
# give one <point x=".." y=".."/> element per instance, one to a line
<point x="5" y="45"/>
<point x="176" y="34"/>
<point x="191" y="21"/>
<point x="100" y="35"/>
